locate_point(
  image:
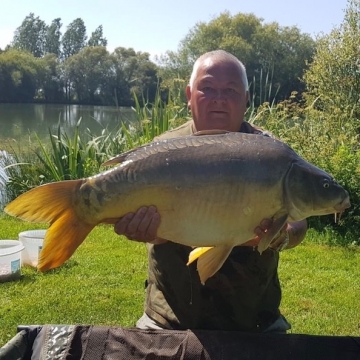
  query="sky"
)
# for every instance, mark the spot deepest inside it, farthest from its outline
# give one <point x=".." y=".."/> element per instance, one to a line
<point x="159" y="25"/>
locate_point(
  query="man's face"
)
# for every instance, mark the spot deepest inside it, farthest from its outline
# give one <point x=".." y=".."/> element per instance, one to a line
<point x="218" y="98"/>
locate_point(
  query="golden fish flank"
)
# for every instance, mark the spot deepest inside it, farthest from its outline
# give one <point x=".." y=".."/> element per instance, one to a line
<point x="210" y="190"/>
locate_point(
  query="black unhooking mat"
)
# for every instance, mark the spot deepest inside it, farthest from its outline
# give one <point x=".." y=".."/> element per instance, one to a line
<point x="99" y="342"/>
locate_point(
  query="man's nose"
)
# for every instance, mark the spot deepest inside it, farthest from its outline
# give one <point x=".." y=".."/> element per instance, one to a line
<point x="219" y="95"/>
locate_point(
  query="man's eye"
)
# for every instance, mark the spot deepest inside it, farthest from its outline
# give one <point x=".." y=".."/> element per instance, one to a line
<point x="230" y="91"/>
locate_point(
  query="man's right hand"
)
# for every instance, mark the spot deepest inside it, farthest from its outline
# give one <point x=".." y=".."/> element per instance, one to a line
<point x="140" y="226"/>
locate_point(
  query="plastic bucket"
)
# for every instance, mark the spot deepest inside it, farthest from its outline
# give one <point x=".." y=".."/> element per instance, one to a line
<point x="33" y="241"/>
<point x="10" y="260"/>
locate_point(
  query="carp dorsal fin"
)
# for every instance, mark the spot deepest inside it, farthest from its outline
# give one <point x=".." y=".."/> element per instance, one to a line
<point x="118" y="159"/>
<point x="211" y="132"/>
<point x="115" y="160"/>
<point x="124" y="156"/>
<point x="272" y="232"/>
<point x="158" y="146"/>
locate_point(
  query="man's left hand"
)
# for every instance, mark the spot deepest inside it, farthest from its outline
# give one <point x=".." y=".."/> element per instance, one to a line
<point x="260" y="232"/>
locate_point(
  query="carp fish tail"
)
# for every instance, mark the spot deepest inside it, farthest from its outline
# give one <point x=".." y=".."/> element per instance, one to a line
<point x="53" y="203"/>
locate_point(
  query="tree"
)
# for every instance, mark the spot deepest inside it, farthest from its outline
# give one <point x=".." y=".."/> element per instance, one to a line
<point x="30" y="36"/>
<point x="265" y="49"/>
<point x="88" y="72"/>
<point x="74" y="38"/>
<point x="281" y="53"/>
<point x="49" y="79"/>
<point x="97" y="38"/>
<point x="132" y="72"/>
<point x="19" y="71"/>
<point x="52" y="39"/>
<point x="146" y="82"/>
<point x="333" y="78"/>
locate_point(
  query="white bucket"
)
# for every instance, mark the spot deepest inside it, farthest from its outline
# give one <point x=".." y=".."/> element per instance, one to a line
<point x="33" y="241"/>
<point x="10" y="260"/>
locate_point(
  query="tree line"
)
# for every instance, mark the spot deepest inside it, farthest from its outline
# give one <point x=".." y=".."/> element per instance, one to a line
<point x="44" y="64"/>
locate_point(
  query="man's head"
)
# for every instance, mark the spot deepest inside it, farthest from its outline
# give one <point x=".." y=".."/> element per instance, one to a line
<point x="218" y="92"/>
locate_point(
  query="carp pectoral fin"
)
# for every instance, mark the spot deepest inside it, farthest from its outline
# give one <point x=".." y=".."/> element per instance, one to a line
<point x="53" y="203"/>
<point x="197" y="252"/>
<point x="211" y="260"/>
<point x="272" y="232"/>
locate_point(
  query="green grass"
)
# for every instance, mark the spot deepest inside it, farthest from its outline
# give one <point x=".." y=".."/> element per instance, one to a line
<point x="103" y="284"/>
<point x="321" y="288"/>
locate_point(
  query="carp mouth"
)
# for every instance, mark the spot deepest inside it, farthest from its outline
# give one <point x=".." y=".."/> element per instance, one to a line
<point x="340" y="208"/>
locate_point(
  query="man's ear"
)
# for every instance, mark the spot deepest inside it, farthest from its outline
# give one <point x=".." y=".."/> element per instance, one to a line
<point x="188" y="96"/>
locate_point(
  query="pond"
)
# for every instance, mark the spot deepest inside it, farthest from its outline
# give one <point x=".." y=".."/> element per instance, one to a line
<point x="17" y="121"/>
<point x="20" y="122"/>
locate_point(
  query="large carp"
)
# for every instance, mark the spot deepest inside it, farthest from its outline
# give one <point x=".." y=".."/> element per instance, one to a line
<point x="210" y="191"/>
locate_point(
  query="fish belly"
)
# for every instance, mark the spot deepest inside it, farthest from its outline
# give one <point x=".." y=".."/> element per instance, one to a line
<point x="203" y="214"/>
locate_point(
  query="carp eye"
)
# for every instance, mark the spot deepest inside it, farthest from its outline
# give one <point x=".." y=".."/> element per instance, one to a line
<point x="326" y="184"/>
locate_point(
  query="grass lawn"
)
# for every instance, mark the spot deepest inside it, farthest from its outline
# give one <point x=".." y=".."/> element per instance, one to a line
<point x="103" y="284"/>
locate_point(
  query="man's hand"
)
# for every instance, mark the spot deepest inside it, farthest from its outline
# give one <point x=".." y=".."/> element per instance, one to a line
<point x="140" y="226"/>
<point x="260" y="232"/>
<point x="291" y="235"/>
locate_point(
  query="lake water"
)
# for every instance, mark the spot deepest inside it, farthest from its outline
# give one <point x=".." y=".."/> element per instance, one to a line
<point x="17" y="121"/>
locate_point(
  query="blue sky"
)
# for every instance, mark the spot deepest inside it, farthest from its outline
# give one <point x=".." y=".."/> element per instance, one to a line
<point x="158" y="25"/>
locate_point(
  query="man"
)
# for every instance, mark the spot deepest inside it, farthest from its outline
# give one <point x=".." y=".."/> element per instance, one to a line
<point x="245" y="293"/>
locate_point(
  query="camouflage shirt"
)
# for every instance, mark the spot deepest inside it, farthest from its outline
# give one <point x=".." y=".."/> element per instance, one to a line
<point x="244" y="295"/>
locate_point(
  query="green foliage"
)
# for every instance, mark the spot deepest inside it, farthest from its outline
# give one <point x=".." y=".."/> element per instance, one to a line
<point x="67" y="159"/>
<point x="88" y="71"/>
<point x="21" y="168"/>
<point x="133" y="72"/>
<point x="157" y="117"/>
<point x="331" y="138"/>
<point x="30" y="36"/>
<point x="281" y="52"/>
<point x="19" y="72"/>
<point x="81" y="72"/>
<point x="50" y="86"/>
<point x="74" y="38"/>
<point x="333" y="79"/>
<point x="261" y="92"/>
<point x="53" y="36"/>
<point x="92" y="76"/>
<point x="97" y="37"/>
